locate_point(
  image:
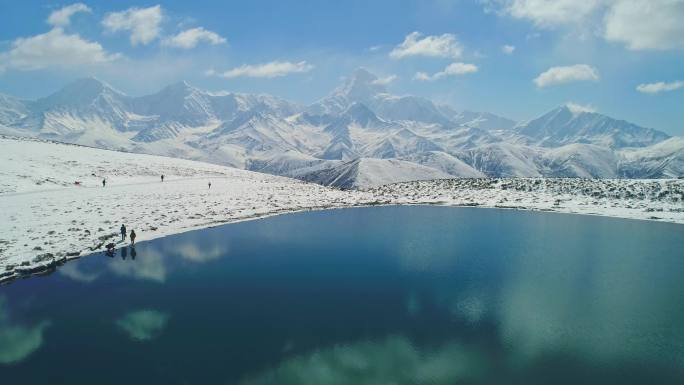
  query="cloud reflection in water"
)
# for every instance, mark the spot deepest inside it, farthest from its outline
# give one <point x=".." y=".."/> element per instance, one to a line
<point x="18" y="341"/>
<point x="394" y="360"/>
<point x="143" y="325"/>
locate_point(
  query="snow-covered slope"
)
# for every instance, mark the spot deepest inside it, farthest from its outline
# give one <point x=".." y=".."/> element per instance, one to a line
<point x="483" y="120"/>
<point x="367" y="172"/>
<point x="288" y="163"/>
<point x="359" y="119"/>
<point x="662" y="160"/>
<point x="581" y="161"/>
<point x="12" y="110"/>
<point x="54" y="205"/>
<point x="572" y="124"/>
<point x="363" y="87"/>
<point x="445" y="162"/>
<point x="504" y="160"/>
<point x="79" y="106"/>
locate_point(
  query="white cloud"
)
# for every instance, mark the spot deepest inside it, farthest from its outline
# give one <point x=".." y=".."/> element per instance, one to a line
<point x="53" y="49"/>
<point x="460" y="69"/>
<point x="561" y="75"/>
<point x="654" y="88"/>
<point x="424" y="76"/>
<point x="191" y="37"/>
<point x="266" y="70"/>
<point x="415" y="44"/>
<point x="452" y="69"/>
<point x="62" y="17"/>
<point x="576" y="108"/>
<point x="385" y="81"/>
<point x="507" y="49"/>
<point x="142" y="23"/>
<point x="549" y="13"/>
<point x="639" y="24"/>
<point x="642" y="25"/>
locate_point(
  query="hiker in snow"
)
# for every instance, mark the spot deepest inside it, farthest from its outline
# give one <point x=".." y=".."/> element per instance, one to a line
<point x="209" y="184"/>
<point x="132" y="236"/>
<point x="103" y="182"/>
<point x="110" y="249"/>
<point x="123" y="233"/>
<point x="162" y="177"/>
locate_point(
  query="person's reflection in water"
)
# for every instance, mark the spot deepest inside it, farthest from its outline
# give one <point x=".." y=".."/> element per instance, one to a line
<point x="124" y="252"/>
<point x="133" y="253"/>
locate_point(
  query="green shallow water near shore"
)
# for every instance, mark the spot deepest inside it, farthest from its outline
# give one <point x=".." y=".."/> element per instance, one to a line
<point x="401" y="295"/>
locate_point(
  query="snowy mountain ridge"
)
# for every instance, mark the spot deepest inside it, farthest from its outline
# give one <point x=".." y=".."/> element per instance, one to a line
<point x="359" y="135"/>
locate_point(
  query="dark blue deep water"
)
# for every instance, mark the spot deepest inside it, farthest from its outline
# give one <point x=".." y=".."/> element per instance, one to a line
<point x="387" y="295"/>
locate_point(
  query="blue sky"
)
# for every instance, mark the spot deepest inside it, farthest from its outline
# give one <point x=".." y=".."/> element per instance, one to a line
<point x="624" y="58"/>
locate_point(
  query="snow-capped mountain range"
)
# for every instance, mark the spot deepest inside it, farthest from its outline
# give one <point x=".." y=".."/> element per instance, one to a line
<point x="358" y="136"/>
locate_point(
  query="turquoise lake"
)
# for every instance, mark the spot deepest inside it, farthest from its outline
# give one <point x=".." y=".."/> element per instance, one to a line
<point x="382" y="295"/>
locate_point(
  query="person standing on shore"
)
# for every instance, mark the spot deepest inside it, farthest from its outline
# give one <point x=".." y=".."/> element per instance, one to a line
<point x="123" y="232"/>
<point x="132" y="236"/>
<point x="104" y="181"/>
<point x="209" y="184"/>
<point x="162" y="177"/>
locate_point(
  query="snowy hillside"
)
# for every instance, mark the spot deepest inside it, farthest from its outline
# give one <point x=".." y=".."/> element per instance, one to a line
<point x="483" y="120"/>
<point x="582" y="160"/>
<point x="359" y="119"/>
<point x="49" y="218"/>
<point x="573" y="124"/>
<point x="367" y="172"/>
<point x="663" y="160"/>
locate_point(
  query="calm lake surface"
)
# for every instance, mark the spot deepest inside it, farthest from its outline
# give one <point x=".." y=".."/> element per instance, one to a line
<point x="387" y="295"/>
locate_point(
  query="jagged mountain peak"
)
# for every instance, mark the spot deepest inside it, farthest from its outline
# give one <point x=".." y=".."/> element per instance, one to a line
<point x="244" y="129"/>
<point x="91" y="82"/>
<point x="80" y="92"/>
<point x="559" y="114"/>
<point x="358" y="108"/>
<point x="364" y="87"/>
<point x="482" y="120"/>
<point x="360" y="113"/>
<point x="360" y="86"/>
<point x="576" y="124"/>
<point x="569" y="111"/>
<point x="406" y="134"/>
<point x="179" y="102"/>
<point x="181" y="88"/>
<point x="247" y="119"/>
<point x="368" y="172"/>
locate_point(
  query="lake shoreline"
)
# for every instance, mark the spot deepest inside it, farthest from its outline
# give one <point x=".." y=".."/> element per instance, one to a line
<point x="37" y="269"/>
<point x="61" y="202"/>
